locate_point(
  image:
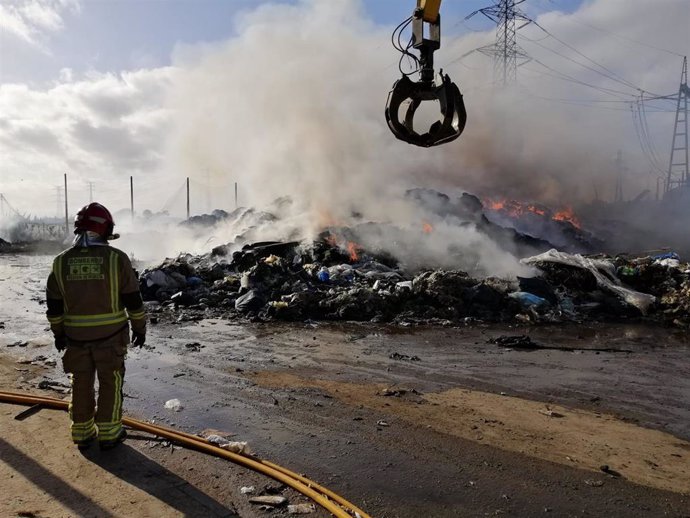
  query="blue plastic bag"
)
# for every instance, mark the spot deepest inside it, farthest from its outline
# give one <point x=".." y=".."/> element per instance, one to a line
<point x="323" y="275"/>
<point x="528" y="300"/>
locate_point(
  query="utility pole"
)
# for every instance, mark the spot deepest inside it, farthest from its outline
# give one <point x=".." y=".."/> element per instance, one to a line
<point x="131" y="196"/>
<point x="235" y="194"/>
<point x="188" y="197"/>
<point x="90" y="192"/>
<point x="505" y="52"/>
<point x="678" y="174"/>
<point x="66" y="209"/>
<point x="620" y="171"/>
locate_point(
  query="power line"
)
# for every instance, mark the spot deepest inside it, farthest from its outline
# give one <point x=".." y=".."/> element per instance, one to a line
<point x="574" y="102"/>
<point x="574" y="19"/>
<point x="620" y="78"/>
<point x="565" y="77"/>
<point x="173" y="198"/>
<point x="6" y="202"/>
<point x="642" y="110"/>
<point x="643" y="143"/>
<point x="623" y="82"/>
<point x="621" y="97"/>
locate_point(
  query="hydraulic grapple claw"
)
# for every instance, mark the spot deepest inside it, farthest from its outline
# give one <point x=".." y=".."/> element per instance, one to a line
<point x="451" y="106"/>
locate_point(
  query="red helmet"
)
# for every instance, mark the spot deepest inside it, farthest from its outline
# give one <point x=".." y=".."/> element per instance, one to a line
<point x="96" y="218"/>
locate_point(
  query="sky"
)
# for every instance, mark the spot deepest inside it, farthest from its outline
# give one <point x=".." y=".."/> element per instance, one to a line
<point x="42" y="37"/>
<point x="287" y="98"/>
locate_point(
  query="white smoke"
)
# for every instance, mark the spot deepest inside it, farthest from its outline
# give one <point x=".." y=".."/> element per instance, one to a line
<point x="292" y="105"/>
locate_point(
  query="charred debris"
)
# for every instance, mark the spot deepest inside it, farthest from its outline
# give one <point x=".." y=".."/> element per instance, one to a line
<point x="335" y="277"/>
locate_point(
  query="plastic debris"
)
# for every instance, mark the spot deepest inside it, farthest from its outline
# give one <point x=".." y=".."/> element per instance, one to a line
<point x="404" y="357"/>
<point x="324" y="275"/>
<point x="253" y="300"/>
<point x="272" y="500"/>
<point x="667" y="255"/>
<point x="606" y="469"/>
<point x="527" y="300"/>
<point x="174" y="405"/>
<point x="550" y="413"/>
<point x="247" y="490"/>
<point x="301" y="508"/>
<point x="194" y="281"/>
<point x="233" y="446"/>
<point x="668" y="263"/>
<point x="602" y="270"/>
<point x="322" y="280"/>
<point x="516" y="342"/>
<point x="62" y="388"/>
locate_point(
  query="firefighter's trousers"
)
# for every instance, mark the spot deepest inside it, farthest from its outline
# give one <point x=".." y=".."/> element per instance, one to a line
<point x="84" y="361"/>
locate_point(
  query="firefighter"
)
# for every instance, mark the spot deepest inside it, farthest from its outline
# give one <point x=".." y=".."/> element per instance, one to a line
<point x="92" y="297"/>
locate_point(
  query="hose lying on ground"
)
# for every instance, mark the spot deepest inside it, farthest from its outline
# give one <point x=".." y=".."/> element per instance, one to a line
<point x="326" y="498"/>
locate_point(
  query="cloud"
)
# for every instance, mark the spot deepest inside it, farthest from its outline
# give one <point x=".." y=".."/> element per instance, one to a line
<point x="33" y="138"/>
<point x="32" y="21"/>
<point x="104" y="128"/>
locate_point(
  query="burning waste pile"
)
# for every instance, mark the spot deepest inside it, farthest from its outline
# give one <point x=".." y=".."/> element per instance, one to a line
<point x="342" y="274"/>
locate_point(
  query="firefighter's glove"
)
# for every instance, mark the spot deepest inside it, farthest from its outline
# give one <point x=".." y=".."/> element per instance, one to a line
<point x="138" y="339"/>
<point x="61" y="343"/>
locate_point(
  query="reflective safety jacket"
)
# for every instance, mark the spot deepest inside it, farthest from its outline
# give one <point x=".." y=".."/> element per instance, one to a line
<point x="91" y="294"/>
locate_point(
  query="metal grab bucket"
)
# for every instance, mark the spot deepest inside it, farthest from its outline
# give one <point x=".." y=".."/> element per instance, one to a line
<point x="452" y="110"/>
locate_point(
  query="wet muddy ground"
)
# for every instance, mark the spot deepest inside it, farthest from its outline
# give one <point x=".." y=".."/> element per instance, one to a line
<point x="419" y="422"/>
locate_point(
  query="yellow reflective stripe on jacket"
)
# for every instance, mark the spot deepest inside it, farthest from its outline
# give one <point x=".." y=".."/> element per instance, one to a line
<point x="56" y="320"/>
<point x="103" y="319"/>
<point x="114" y="283"/>
<point x="136" y="315"/>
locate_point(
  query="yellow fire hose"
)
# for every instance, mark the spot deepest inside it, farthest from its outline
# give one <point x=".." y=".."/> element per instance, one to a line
<point x="326" y="498"/>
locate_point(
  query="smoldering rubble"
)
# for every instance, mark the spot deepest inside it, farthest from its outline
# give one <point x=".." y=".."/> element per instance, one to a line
<point x="335" y="276"/>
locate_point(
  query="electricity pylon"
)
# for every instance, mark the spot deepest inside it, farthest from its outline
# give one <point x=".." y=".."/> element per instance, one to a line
<point x="678" y="174"/>
<point x="506" y="53"/>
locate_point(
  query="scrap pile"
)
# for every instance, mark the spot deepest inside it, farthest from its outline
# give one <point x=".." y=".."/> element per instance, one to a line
<point x="331" y="279"/>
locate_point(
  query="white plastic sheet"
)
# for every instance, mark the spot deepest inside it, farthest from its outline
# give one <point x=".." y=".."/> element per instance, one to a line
<point x="604" y="272"/>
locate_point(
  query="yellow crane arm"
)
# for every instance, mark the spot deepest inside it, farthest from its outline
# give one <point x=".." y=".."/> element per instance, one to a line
<point x="407" y="94"/>
<point x="429" y="9"/>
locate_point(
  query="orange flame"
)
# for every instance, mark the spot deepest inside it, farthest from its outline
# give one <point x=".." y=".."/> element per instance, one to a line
<point x="536" y="210"/>
<point x="427" y="228"/>
<point x="354" y="250"/>
<point x="567" y="214"/>
<point x="495" y="204"/>
<point x="515" y="209"/>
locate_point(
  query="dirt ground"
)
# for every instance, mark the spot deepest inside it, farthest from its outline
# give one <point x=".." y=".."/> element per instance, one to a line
<point x="404" y="423"/>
